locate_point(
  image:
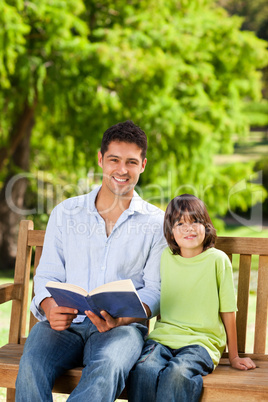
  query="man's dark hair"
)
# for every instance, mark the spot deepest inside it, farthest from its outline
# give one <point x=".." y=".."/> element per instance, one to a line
<point x="191" y="207"/>
<point x="125" y="132"/>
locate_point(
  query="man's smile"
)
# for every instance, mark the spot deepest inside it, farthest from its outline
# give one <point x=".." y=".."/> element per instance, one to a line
<point x="120" y="180"/>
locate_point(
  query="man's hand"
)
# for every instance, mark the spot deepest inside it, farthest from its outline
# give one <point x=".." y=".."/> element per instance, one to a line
<point x="108" y="323"/>
<point x="60" y="318"/>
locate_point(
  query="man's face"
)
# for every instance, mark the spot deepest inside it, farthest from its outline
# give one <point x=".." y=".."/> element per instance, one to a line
<point x="122" y="165"/>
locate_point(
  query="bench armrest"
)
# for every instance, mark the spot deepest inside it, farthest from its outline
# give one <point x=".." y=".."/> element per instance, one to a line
<point x="10" y="291"/>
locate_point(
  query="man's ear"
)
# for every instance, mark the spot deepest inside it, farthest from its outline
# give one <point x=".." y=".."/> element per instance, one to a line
<point x="143" y="165"/>
<point x="100" y="159"/>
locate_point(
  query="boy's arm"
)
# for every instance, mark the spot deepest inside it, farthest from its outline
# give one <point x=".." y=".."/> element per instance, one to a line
<point x="230" y="328"/>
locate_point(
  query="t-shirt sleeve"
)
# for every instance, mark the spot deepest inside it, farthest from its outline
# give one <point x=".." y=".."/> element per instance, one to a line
<point x="227" y="297"/>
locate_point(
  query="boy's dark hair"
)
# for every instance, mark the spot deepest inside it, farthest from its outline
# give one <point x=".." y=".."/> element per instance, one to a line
<point x="125" y="132"/>
<point x="190" y="206"/>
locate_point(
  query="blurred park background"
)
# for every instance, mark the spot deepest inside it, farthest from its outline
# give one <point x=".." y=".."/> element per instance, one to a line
<point x="193" y="74"/>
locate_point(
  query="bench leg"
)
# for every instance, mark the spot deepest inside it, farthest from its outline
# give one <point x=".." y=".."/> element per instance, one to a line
<point x="10" y="395"/>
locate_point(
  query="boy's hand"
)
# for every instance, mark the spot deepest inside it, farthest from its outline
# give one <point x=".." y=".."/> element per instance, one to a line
<point x="242" y="363"/>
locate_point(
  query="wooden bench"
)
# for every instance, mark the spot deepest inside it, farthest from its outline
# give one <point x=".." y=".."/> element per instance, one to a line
<point x="224" y="384"/>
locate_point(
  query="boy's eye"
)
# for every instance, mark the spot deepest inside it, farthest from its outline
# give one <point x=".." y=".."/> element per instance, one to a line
<point x="178" y="224"/>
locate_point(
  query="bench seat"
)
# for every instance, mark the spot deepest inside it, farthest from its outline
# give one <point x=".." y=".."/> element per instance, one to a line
<point x="251" y="385"/>
<point x="225" y="384"/>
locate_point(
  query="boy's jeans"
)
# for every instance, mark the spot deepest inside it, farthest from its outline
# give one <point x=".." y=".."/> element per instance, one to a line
<point x="107" y="358"/>
<point x="162" y="374"/>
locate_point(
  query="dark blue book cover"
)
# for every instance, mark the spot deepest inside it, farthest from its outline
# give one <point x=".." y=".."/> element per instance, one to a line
<point x="118" y="303"/>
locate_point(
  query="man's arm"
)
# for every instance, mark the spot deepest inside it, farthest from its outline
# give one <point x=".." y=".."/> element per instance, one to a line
<point x="51" y="265"/>
<point x="150" y="292"/>
<point x="60" y="318"/>
<point x="230" y="328"/>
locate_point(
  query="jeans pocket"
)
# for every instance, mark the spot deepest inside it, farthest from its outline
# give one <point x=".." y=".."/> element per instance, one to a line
<point x="146" y="352"/>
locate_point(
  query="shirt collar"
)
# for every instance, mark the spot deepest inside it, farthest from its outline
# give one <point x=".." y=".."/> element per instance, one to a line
<point x="136" y="205"/>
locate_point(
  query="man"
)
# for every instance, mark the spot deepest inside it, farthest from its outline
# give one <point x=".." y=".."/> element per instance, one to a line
<point x="106" y="235"/>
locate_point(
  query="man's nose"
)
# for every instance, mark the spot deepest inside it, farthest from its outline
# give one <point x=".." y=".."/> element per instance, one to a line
<point x="122" y="169"/>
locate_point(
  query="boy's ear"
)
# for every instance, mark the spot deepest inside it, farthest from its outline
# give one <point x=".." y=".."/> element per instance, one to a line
<point x="100" y="159"/>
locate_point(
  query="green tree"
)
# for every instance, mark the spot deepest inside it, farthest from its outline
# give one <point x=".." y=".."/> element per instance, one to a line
<point x="254" y="15"/>
<point x="41" y="42"/>
<point x="181" y="70"/>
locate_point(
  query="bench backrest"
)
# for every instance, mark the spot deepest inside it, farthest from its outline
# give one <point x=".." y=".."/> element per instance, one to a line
<point x="244" y="247"/>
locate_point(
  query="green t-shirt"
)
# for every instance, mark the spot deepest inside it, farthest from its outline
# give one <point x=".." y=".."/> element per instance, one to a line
<point x="193" y="293"/>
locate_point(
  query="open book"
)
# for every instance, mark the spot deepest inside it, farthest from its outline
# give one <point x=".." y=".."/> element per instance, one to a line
<point x="119" y="298"/>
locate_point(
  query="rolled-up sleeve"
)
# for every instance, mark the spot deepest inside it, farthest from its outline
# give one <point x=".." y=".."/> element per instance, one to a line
<point x="51" y="266"/>
<point x="150" y="293"/>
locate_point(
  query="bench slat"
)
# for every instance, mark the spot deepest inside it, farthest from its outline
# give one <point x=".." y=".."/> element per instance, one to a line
<point x="36" y="238"/>
<point x="22" y="276"/>
<point x="242" y="245"/>
<point x="10" y="291"/>
<point x="242" y="301"/>
<point x="261" y="308"/>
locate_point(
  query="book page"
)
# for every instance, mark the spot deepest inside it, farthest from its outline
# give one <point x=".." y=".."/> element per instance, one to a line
<point x="67" y="286"/>
<point x="125" y="285"/>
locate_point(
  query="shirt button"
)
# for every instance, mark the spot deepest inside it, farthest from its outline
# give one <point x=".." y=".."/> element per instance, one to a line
<point x="102" y="268"/>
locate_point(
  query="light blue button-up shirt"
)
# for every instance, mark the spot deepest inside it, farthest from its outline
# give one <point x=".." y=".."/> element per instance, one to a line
<point x="78" y="251"/>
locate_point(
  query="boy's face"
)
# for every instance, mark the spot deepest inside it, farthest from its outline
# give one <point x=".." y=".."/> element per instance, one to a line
<point x="189" y="235"/>
<point x="122" y="165"/>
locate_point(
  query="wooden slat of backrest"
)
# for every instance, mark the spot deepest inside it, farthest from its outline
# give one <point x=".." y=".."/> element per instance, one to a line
<point x="242" y="301"/>
<point x="22" y="276"/>
<point x="38" y="252"/>
<point x="36" y="238"/>
<point x="243" y="245"/>
<point x="247" y="247"/>
<point x="261" y="308"/>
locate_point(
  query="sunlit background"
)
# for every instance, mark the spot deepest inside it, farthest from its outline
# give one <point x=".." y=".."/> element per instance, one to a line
<point x="193" y="74"/>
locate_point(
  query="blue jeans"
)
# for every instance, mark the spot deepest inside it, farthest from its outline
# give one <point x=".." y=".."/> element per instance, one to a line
<point x="107" y="359"/>
<point x="162" y="374"/>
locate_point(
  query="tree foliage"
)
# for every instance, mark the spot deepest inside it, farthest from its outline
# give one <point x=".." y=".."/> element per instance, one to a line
<point x="254" y="14"/>
<point x="180" y="69"/>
